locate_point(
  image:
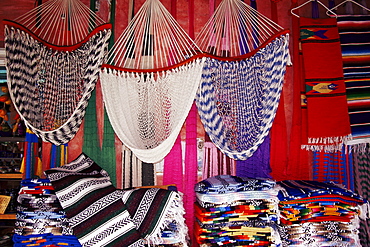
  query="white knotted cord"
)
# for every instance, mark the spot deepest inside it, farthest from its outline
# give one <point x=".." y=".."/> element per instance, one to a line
<point x="150" y="81"/>
<point x="152" y="40"/>
<point x="235" y="29"/>
<point x="61" y="22"/>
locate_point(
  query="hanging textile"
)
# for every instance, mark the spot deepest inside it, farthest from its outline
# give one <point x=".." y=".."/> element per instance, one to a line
<point x="53" y="64"/>
<point x="106" y="154"/>
<point x="327" y="113"/>
<point x="31" y="163"/>
<point x="354" y="32"/>
<point x="242" y="78"/>
<point x="258" y="165"/>
<point x="361" y="167"/>
<point x="173" y="170"/>
<point x="298" y="165"/>
<point x="333" y="167"/>
<point x="149" y="82"/>
<point x="98" y="135"/>
<point x="215" y="162"/>
<point x="132" y="172"/>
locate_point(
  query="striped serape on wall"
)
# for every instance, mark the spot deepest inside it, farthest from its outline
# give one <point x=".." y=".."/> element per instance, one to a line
<point x="354" y="34"/>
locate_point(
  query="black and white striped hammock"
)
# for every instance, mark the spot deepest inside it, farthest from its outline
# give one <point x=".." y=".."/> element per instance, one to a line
<point x="53" y="58"/>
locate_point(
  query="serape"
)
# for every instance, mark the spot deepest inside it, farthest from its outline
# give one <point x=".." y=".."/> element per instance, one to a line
<point x="354" y="32"/>
<point x="327" y="112"/>
<point x="97" y="214"/>
<point x="154" y="210"/>
<point x="95" y="207"/>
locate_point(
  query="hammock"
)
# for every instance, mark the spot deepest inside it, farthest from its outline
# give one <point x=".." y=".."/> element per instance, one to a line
<point x="149" y="82"/>
<point x="53" y="57"/>
<point x="242" y="78"/>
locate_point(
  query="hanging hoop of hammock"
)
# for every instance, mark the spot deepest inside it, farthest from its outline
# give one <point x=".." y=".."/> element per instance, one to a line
<point x="149" y="82"/>
<point x="53" y="58"/>
<point x="242" y="78"/>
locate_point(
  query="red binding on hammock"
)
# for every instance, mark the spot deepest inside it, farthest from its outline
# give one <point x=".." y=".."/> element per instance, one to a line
<point x="57" y="47"/>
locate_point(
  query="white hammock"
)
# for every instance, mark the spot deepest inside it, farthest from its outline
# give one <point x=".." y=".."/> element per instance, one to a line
<point x="242" y="78"/>
<point x="150" y="81"/>
<point x="53" y="57"/>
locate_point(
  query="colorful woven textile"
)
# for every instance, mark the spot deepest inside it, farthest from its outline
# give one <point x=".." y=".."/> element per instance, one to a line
<point x="334" y="167"/>
<point x="326" y="233"/>
<point x="297" y="189"/>
<point x="327" y="113"/>
<point x="236" y="211"/>
<point x="258" y="165"/>
<point x="47" y="240"/>
<point x="39" y="211"/>
<point x="361" y="161"/>
<point x="319" y="214"/>
<point x="41" y="220"/>
<point x="221" y="184"/>
<point x="354" y="34"/>
<point x="94" y="207"/>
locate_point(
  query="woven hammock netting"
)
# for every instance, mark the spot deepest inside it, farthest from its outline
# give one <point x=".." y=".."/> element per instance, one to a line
<point x="149" y="82"/>
<point x="242" y="77"/>
<point x="53" y="57"/>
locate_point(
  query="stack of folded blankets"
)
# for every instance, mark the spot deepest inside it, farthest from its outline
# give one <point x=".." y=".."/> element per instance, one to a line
<point x="316" y="213"/>
<point x="236" y="211"/>
<point x="41" y="220"/>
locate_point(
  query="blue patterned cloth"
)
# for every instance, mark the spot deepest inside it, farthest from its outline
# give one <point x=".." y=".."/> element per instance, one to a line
<point x="222" y="184"/>
<point x="45" y="240"/>
<point x="297" y="189"/>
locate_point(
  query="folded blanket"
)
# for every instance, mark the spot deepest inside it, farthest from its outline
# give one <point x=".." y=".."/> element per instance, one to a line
<point x="101" y="215"/>
<point x="154" y="210"/>
<point x="95" y="208"/>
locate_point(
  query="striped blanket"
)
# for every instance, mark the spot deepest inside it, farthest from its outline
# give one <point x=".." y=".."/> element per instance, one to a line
<point x="354" y="34"/>
<point x="101" y="215"/>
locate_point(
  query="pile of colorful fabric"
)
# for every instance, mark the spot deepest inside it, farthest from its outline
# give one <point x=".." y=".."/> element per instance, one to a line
<point x="41" y="220"/>
<point x="316" y="213"/>
<point x="236" y="211"/>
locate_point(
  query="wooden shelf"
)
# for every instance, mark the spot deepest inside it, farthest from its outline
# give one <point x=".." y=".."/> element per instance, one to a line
<point x="11" y="176"/>
<point x="12" y="139"/>
<point x="8" y="216"/>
